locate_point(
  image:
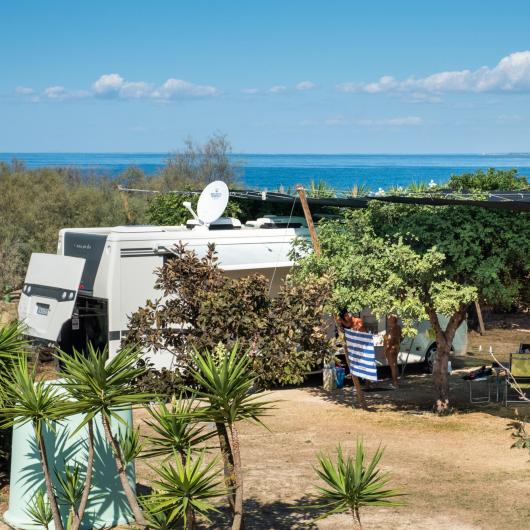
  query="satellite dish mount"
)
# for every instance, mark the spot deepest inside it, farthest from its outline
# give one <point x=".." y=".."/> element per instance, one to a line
<point x="212" y="203"/>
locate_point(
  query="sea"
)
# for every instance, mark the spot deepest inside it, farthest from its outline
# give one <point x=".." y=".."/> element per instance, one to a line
<point x="276" y="171"/>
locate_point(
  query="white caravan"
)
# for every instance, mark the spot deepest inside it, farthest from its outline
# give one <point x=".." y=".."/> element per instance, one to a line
<point x="99" y="276"/>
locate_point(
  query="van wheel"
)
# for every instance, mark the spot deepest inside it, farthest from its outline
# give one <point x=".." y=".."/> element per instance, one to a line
<point x="430" y="357"/>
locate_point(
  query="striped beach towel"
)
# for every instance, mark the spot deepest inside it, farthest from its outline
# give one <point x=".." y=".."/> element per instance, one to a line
<point x="361" y="354"/>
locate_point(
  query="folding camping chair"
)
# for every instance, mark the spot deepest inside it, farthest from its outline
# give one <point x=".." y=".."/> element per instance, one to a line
<point x="519" y="380"/>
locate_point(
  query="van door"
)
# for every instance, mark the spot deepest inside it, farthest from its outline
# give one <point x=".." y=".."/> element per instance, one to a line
<point x="49" y="293"/>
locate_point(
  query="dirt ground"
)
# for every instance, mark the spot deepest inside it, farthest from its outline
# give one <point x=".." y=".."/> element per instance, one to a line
<point x="458" y="471"/>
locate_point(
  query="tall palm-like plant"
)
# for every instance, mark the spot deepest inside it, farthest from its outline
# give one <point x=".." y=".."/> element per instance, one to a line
<point x="25" y="400"/>
<point x="102" y="386"/>
<point x="226" y="384"/>
<point x="184" y="488"/>
<point x="12" y="346"/>
<point x="351" y="484"/>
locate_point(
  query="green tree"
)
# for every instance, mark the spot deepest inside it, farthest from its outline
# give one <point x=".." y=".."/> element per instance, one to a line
<point x="488" y="249"/>
<point x="351" y="484"/>
<point x="390" y="277"/>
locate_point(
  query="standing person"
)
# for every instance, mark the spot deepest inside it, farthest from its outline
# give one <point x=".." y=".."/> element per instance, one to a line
<point x="392" y="342"/>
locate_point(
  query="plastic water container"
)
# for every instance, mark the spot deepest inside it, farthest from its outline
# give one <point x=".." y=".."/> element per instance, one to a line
<point x="340" y="374"/>
<point x="107" y="506"/>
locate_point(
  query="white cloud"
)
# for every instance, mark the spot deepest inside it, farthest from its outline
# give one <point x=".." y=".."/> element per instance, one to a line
<point x="56" y="92"/>
<point x="177" y="88"/>
<point x="392" y="122"/>
<point x="108" y="85"/>
<point x="277" y="89"/>
<point x="511" y="74"/>
<point x="24" y="90"/>
<point x="305" y="85"/>
<point x="115" y="86"/>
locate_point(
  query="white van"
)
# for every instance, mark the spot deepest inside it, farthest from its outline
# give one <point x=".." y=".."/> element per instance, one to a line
<point x="418" y="349"/>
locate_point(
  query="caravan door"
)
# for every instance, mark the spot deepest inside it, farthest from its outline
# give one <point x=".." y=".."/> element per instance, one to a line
<point x="49" y="293"/>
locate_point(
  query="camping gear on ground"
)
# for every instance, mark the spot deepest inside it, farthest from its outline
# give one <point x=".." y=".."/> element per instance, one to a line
<point x="519" y="380"/>
<point x="107" y="505"/>
<point x="361" y="354"/>
<point x="340" y="374"/>
<point x="329" y="376"/>
<point x="484" y="377"/>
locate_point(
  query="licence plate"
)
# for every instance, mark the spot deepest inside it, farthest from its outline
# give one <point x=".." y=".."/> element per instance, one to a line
<point x="42" y="309"/>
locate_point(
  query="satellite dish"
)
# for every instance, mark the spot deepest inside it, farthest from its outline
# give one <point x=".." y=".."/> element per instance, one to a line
<point x="212" y="202"/>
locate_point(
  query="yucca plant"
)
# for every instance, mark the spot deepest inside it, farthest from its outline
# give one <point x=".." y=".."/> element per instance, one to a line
<point x="226" y="385"/>
<point x="69" y="491"/>
<point x="351" y="484"/>
<point x="25" y="400"/>
<point x="105" y="387"/>
<point x="39" y="510"/>
<point x="175" y="428"/>
<point x="184" y="488"/>
<point x="12" y="346"/>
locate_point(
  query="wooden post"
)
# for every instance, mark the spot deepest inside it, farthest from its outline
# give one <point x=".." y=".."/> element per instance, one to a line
<point x="316" y="247"/>
<point x="480" y="319"/>
<point x="309" y="219"/>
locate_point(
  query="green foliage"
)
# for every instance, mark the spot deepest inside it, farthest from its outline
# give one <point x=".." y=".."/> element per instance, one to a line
<point x="99" y="385"/>
<point x="488" y="249"/>
<point x="183" y="488"/>
<point x="26" y="400"/>
<point x="175" y="428"/>
<point x="519" y="434"/>
<point x="35" y="204"/>
<point x="226" y="386"/>
<point x="286" y="334"/>
<point x="490" y="180"/>
<point x="196" y="165"/>
<point x="385" y="274"/>
<point x="167" y="208"/>
<point x="39" y="510"/>
<point x="352" y="484"/>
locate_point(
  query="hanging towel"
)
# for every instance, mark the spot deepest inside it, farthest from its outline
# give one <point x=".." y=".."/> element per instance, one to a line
<point x="361" y="354"/>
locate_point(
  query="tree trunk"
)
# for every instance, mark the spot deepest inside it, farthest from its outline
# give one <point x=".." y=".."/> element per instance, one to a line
<point x="444" y="342"/>
<point x="441" y="376"/>
<point x="122" y="473"/>
<point x="238" y="506"/>
<point x="356" y="519"/>
<point x="228" y="463"/>
<point x="79" y="514"/>
<point x="48" y="481"/>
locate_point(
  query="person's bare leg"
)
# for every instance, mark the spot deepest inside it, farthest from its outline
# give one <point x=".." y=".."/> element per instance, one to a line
<point x="395" y="372"/>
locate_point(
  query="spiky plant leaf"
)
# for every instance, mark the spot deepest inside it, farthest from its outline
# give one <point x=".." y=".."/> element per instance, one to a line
<point x="350" y="483"/>
<point x="175" y="428"/>
<point x="183" y="486"/>
<point x="226" y="384"/>
<point x="39" y="509"/>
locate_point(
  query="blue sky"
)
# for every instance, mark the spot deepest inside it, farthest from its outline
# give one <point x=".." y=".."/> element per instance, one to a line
<point x="276" y="77"/>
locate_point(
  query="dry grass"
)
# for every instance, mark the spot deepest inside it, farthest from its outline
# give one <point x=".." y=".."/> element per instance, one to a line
<point x="458" y="471"/>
